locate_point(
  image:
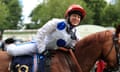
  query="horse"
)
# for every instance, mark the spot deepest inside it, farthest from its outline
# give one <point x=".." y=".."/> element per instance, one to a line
<point x="5" y="61"/>
<point x="100" y="45"/>
<point x="61" y="61"/>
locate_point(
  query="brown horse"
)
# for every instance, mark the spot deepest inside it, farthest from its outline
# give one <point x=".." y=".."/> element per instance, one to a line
<point x="61" y="62"/>
<point x="4" y="61"/>
<point x="101" y="45"/>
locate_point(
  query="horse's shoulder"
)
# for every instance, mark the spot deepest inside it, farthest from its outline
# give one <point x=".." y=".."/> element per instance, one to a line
<point x="3" y="53"/>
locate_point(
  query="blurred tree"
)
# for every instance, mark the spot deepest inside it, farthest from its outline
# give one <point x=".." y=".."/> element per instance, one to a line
<point x="4" y="12"/>
<point x="55" y="9"/>
<point x="14" y="15"/>
<point x="117" y="6"/>
<point x="110" y="16"/>
<point x="97" y="7"/>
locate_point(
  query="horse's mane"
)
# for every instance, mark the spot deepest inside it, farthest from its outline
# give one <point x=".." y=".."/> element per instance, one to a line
<point x="90" y="47"/>
<point x="93" y="39"/>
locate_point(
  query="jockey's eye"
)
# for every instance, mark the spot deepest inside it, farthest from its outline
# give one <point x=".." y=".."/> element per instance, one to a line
<point x="75" y="16"/>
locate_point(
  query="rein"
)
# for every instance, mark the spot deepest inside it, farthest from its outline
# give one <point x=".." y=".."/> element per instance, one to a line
<point x="73" y="57"/>
<point x="115" y="41"/>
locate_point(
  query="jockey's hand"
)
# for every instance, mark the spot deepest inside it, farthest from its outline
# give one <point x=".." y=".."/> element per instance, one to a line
<point x="66" y="48"/>
<point x="47" y="53"/>
<point x="70" y="47"/>
<point x="63" y="49"/>
<point x="73" y="48"/>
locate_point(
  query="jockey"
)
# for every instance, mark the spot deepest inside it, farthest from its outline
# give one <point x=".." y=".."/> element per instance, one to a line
<point x="58" y="33"/>
<point x="54" y="34"/>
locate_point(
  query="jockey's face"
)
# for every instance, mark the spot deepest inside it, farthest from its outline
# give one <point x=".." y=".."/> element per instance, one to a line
<point x="75" y="19"/>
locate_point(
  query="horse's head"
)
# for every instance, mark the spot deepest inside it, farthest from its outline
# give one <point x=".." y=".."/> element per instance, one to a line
<point x="112" y="56"/>
<point x="101" y="45"/>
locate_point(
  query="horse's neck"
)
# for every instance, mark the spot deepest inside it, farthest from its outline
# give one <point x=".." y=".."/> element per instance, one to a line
<point x="62" y="61"/>
<point x="87" y="59"/>
<point x="89" y="50"/>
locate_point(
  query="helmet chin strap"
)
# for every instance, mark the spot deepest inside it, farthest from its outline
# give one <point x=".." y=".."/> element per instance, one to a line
<point x="68" y="20"/>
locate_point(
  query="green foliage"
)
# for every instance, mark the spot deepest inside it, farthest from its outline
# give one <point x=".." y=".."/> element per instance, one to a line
<point x="14" y="14"/>
<point x="97" y="12"/>
<point x="56" y="9"/>
<point x="97" y="7"/>
<point x="117" y="6"/>
<point x="109" y="16"/>
<point x="4" y="12"/>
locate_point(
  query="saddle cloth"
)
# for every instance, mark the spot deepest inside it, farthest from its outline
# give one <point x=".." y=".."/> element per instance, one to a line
<point x="26" y="63"/>
<point x="31" y="63"/>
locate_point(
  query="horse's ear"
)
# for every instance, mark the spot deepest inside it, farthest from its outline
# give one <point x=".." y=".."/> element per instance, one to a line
<point x="117" y="29"/>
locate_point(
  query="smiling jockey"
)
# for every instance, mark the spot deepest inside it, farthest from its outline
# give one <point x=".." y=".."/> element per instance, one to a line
<point x="60" y="32"/>
<point x="54" y="34"/>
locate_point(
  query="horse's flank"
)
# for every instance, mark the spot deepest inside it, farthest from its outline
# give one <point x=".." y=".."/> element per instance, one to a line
<point x="4" y="61"/>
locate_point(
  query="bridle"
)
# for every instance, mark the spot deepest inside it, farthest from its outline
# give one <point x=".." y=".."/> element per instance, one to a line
<point x="116" y="46"/>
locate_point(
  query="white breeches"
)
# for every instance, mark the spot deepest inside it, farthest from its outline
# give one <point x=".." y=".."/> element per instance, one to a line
<point x="22" y="49"/>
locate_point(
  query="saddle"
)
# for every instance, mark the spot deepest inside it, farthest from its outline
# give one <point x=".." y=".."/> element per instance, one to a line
<point x="40" y="62"/>
<point x="30" y="63"/>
